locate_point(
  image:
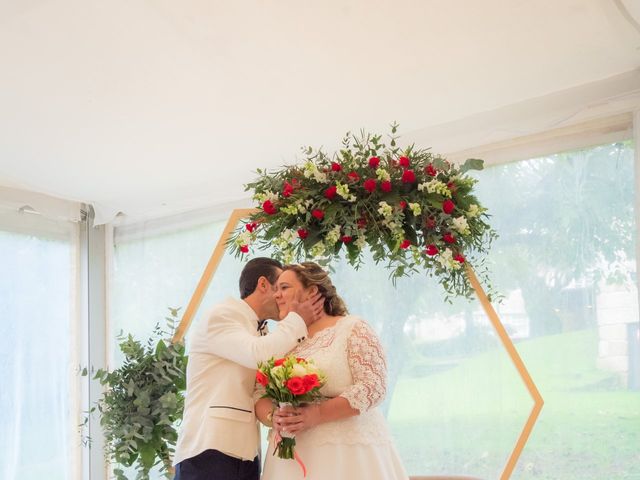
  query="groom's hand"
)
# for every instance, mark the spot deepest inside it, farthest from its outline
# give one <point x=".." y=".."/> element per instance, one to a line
<point x="310" y="310"/>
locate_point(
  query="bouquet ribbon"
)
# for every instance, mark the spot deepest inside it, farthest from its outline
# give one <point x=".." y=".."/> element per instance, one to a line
<point x="277" y="440"/>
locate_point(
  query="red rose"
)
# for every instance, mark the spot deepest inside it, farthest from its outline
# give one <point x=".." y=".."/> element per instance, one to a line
<point x="336" y="167"/>
<point x="279" y="362"/>
<point x="251" y="226"/>
<point x="244" y="248"/>
<point x="330" y="192"/>
<point x="448" y="238"/>
<point x="385" y="186"/>
<point x="261" y="378"/>
<point x="453" y="187"/>
<point x="369" y="185"/>
<point x="430" y="170"/>
<point x="353" y="176"/>
<point x="362" y="223"/>
<point x="310" y="382"/>
<point x="431" y="250"/>
<point x="459" y="258"/>
<point x="403" y="162"/>
<point x="346" y="238"/>
<point x="403" y="204"/>
<point x="374" y="162"/>
<point x="448" y="206"/>
<point x="430" y="222"/>
<point x="302" y="233"/>
<point x="287" y="190"/>
<point x="408" y="176"/>
<point x="319" y="214"/>
<point x="296" y="385"/>
<point x="269" y="208"/>
<point x="405" y="244"/>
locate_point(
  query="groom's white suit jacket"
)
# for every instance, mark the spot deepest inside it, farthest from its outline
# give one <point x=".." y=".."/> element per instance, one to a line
<point x="225" y="349"/>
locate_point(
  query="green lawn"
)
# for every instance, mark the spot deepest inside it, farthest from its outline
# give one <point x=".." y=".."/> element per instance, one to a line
<point x="466" y="419"/>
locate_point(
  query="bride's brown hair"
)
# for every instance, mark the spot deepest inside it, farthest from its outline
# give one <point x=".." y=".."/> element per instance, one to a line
<point x="311" y="274"/>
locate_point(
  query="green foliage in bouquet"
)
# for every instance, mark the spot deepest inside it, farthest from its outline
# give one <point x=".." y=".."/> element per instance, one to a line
<point x="413" y="209"/>
<point x="142" y="402"/>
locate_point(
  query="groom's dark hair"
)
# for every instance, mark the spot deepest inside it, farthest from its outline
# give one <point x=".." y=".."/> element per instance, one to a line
<point x="256" y="268"/>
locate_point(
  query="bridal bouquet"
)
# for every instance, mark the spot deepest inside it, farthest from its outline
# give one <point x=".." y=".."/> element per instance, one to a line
<point x="289" y="381"/>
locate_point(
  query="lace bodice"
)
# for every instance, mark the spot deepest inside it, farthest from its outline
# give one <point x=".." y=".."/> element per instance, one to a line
<point x="352" y="358"/>
<point x="350" y="355"/>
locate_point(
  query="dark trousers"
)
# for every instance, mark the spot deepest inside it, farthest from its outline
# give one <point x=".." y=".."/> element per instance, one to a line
<point x="215" y="465"/>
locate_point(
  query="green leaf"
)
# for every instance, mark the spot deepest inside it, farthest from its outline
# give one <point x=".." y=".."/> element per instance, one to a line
<point x="472" y="164"/>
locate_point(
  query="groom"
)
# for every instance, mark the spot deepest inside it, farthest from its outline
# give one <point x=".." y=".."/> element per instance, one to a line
<point x="220" y="437"/>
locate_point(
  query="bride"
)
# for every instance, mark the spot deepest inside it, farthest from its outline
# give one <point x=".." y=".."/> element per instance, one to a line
<point x="345" y="436"/>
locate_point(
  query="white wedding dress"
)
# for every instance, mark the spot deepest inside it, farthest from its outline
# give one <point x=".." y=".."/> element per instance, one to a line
<point x="360" y="447"/>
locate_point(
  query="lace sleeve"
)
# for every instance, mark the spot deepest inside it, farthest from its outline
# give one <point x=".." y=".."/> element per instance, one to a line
<point x="258" y="392"/>
<point x="368" y="368"/>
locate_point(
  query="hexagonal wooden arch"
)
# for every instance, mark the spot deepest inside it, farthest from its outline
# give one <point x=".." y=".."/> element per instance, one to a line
<point x="538" y="402"/>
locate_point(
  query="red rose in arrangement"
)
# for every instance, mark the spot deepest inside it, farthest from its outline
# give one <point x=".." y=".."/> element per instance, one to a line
<point x="408" y="176"/>
<point x="269" y="208"/>
<point x="296" y="385"/>
<point x="287" y="190"/>
<point x="448" y="206"/>
<point x="262" y="379"/>
<point x="330" y="192"/>
<point x="370" y="185"/>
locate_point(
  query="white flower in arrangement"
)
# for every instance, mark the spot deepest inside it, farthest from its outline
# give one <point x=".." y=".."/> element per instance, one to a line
<point x="360" y="242"/>
<point x="285" y="239"/>
<point x="290" y="209"/>
<point x="473" y="211"/>
<point x="332" y="235"/>
<point x="460" y="225"/>
<point x="435" y="186"/>
<point x="447" y="261"/>
<point x="383" y="175"/>
<point x="311" y="171"/>
<point x="303" y="207"/>
<point x="268" y="195"/>
<point x="287" y="256"/>
<point x="385" y="209"/>
<point x="245" y="238"/>
<point x="342" y="190"/>
<point x="318" y="249"/>
<point x="298" y="370"/>
<point x="415" y="208"/>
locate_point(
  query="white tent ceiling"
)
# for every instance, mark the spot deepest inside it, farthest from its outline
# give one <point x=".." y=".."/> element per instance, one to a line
<point x="152" y="107"/>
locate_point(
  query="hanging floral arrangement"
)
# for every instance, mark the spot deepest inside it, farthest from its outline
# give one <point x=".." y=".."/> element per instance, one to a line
<point x="413" y="209"/>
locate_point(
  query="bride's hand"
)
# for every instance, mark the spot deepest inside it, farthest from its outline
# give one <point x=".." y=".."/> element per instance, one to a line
<point x="292" y="421"/>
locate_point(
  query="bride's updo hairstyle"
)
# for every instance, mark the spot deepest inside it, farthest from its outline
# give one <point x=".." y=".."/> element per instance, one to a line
<point x="311" y="274"/>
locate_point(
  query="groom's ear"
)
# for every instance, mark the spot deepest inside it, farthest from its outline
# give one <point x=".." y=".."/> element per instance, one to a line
<point x="263" y="285"/>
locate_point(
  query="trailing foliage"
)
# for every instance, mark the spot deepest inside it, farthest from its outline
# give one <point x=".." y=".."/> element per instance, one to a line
<point x="143" y="401"/>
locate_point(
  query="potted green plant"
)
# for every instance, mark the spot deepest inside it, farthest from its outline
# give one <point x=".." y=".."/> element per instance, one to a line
<point x="142" y="401"/>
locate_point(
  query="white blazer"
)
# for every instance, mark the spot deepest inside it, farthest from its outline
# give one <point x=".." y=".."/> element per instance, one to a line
<point x="225" y="349"/>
